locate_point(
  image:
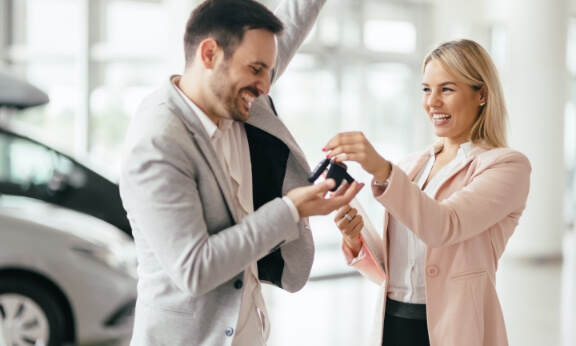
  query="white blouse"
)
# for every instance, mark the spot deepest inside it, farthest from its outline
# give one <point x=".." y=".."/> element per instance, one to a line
<point x="407" y="253"/>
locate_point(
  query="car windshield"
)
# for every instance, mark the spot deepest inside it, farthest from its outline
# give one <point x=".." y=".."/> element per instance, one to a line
<point x="24" y="162"/>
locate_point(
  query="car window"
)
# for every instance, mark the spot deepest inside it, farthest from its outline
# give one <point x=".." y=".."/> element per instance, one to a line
<point x="26" y="163"/>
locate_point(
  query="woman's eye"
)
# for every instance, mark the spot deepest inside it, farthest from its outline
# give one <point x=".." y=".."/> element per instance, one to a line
<point x="426" y="90"/>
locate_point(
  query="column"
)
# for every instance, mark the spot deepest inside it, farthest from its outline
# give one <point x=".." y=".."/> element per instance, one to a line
<point x="535" y="84"/>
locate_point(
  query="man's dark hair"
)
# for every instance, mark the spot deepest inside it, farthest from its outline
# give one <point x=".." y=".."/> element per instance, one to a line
<point x="226" y="21"/>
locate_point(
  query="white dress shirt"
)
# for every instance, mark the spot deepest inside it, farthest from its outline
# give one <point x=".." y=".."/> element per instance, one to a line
<point x="407" y="253"/>
<point x="231" y="145"/>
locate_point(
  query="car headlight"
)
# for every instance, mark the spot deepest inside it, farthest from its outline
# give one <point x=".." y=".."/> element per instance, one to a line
<point x="120" y="257"/>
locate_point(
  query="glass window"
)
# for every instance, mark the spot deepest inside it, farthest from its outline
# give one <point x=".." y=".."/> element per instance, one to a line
<point x="570" y="126"/>
<point x="94" y="68"/>
<point x="45" y="51"/>
<point x="498" y="45"/>
<point x="377" y="37"/>
<point x="347" y="76"/>
<point x="380" y="99"/>
<point x="56" y="119"/>
<point x="145" y="34"/>
<point x="132" y="60"/>
<point x="49" y="24"/>
<point x="571" y="46"/>
<point x="113" y="103"/>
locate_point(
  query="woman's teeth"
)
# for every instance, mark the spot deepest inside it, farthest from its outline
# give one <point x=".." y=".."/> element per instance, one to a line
<point x="441" y="116"/>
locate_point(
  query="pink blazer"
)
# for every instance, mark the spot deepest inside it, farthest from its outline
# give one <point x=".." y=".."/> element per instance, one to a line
<point x="466" y="227"/>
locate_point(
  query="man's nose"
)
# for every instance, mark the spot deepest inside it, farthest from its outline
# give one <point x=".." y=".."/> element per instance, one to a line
<point x="263" y="85"/>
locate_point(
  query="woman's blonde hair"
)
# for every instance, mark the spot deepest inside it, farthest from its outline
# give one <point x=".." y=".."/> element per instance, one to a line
<point x="469" y="62"/>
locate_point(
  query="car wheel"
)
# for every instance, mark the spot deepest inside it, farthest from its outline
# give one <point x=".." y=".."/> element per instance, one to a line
<point x="29" y="315"/>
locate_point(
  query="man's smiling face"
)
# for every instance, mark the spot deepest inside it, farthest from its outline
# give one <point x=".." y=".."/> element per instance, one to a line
<point x="237" y="81"/>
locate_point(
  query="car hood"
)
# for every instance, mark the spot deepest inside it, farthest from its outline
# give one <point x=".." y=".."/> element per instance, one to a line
<point x="63" y="220"/>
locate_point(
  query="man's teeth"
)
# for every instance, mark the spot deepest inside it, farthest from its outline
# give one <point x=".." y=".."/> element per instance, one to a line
<point x="247" y="97"/>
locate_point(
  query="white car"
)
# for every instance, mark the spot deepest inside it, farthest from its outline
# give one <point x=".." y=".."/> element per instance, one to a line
<point x="66" y="278"/>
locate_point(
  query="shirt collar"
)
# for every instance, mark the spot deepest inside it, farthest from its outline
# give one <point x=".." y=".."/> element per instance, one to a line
<point x="465" y="148"/>
<point x="209" y="126"/>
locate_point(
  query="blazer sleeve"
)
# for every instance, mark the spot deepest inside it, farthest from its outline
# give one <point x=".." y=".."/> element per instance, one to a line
<point x="494" y="187"/>
<point x="180" y="218"/>
<point x="298" y="17"/>
<point x="294" y="259"/>
<point x="370" y="259"/>
<point x="365" y="263"/>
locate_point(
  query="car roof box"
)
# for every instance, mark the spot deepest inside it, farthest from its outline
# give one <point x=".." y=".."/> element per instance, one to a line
<point x="16" y="93"/>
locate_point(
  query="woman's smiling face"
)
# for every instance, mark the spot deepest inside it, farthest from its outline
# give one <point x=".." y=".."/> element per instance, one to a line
<point x="452" y="105"/>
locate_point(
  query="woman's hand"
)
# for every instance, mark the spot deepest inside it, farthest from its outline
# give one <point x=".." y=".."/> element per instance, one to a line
<point x="353" y="146"/>
<point x="350" y="224"/>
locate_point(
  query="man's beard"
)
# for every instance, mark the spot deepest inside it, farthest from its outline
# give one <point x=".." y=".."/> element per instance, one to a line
<point x="221" y="86"/>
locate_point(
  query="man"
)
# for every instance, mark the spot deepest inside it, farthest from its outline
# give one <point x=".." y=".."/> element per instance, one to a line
<point x="214" y="184"/>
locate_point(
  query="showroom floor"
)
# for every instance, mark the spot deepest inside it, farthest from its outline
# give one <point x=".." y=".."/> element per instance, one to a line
<point x="538" y="299"/>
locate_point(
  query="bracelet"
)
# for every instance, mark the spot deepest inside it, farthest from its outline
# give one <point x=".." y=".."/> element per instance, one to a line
<point x="383" y="185"/>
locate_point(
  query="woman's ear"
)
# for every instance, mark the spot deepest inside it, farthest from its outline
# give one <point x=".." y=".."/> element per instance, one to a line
<point x="207" y="50"/>
<point x="483" y="94"/>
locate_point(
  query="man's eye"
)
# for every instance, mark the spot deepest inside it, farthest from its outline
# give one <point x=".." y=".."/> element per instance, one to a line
<point x="255" y="70"/>
<point x="426" y="90"/>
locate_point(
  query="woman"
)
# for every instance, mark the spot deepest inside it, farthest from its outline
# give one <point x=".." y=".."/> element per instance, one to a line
<point x="449" y="210"/>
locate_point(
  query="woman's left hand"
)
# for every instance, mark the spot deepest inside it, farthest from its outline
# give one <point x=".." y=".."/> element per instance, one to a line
<point x="350" y="224"/>
<point x="353" y="146"/>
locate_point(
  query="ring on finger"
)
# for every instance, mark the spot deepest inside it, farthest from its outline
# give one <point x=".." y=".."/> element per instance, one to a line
<point x="348" y="217"/>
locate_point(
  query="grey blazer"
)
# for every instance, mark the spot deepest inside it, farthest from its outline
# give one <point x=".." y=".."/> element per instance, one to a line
<point x="191" y="249"/>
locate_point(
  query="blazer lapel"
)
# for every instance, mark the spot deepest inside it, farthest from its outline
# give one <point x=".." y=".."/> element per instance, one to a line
<point x="477" y="150"/>
<point x="414" y="168"/>
<point x="261" y="117"/>
<point x="179" y="106"/>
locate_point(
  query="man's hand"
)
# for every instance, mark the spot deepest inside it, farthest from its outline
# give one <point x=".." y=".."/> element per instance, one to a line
<point x="310" y="200"/>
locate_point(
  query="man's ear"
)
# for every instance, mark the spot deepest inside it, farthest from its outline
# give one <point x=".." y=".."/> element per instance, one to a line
<point x="208" y="50"/>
